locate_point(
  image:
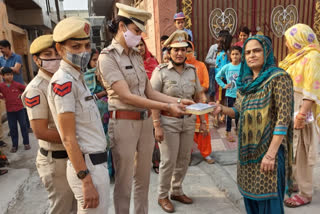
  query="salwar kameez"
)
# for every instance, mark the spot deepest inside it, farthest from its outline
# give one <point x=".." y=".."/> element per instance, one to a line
<point x="272" y="206"/>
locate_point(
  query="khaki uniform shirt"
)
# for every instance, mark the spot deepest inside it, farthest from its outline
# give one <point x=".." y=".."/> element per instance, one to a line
<point x="167" y="80"/>
<point x="115" y="65"/>
<point x="35" y="100"/>
<point x="67" y="92"/>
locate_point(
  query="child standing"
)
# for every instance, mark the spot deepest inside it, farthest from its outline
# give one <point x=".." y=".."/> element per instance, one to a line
<point x="244" y="34"/>
<point x="12" y="91"/>
<point x="230" y="73"/>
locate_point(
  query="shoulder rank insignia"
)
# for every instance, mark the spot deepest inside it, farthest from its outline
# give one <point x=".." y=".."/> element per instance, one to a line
<point x="63" y="89"/>
<point x="32" y="102"/>
<point x="160" y="66"/>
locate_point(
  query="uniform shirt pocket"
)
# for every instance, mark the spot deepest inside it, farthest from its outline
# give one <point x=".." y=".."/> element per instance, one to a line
<point x="88" y="113"/>
<point x="189" y="88"/>
<point x="172" y="89"/>
<point x="131" y="77"/>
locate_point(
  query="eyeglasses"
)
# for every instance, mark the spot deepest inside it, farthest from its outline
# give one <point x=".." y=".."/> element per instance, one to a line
<point x="254" y="51"/>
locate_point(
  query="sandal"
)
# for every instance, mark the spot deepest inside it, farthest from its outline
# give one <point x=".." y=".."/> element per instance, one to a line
<point x="3" y="171"/>
<point x="296" y="201"/>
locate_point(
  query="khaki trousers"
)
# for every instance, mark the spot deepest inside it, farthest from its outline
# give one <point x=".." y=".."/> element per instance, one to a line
<point x="175" y="153"/>
<point x="132" y="145"/>
<point x="305" y="150"/>
<point x="100" y="178"/>
<point x="53" y="175"/>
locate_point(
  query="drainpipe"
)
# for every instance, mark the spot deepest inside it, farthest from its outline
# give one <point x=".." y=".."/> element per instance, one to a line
<point x="58" y="10"/>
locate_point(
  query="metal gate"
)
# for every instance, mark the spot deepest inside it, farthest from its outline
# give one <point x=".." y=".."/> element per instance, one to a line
<point x="256" y="14"/>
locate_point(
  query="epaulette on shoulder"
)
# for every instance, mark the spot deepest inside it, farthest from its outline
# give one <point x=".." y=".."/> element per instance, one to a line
<point x="163" y="65"/>
<point x="190" y="66"/>
<point x="36" y="81"/>
<point x="107" y="50"/>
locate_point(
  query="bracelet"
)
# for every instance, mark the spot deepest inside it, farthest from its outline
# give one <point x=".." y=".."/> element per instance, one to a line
<point x="95" y="97"/>
<point x="204" y="122"/>
<point x="156" y="121"/>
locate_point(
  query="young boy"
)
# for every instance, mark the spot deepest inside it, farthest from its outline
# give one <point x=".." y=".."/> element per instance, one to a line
<point x="230" y="73"/>
<point x="12" y="91"/>
<point x="243" y="36"/>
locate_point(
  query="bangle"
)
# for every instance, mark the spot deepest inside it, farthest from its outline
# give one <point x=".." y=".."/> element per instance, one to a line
<point x="302" y="114"/>
<point x="156" y="121"/>
<point x="95" y="97"/>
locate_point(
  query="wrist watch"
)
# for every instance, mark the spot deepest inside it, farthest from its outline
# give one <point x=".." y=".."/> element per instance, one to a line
<point x="179" y="100"/>
<point x="82" y="174"/>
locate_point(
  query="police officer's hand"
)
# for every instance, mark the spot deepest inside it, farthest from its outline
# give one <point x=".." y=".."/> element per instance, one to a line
<point x="176" y="110"/>
<point x="90" y="194"/>
<point x="158" y="133"/>
<point x="217" y="109"/>
<point x="187" y="102"/>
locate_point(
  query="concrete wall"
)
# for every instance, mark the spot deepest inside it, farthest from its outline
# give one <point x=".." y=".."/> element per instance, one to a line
<point x="149" y="36"/>
<point x="160" y="24"/>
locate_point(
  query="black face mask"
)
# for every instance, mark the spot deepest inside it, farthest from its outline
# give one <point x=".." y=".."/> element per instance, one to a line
<point x="178" y="64"/>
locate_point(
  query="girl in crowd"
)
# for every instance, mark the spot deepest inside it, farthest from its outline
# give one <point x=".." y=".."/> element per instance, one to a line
<point x="224" y="43"/>
<point x="93" y="81"/>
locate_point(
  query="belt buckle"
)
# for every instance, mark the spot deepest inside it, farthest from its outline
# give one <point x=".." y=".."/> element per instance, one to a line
<point x="144" y="115"/>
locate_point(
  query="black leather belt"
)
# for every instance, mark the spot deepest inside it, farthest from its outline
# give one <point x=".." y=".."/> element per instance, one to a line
<point x="99" y="158"/>
<point x="55" y="154"/>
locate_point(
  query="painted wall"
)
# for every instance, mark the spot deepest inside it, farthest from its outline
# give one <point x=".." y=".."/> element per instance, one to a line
<point x="160" y="24"/>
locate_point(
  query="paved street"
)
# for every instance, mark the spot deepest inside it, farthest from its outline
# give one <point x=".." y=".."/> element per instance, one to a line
<point x="212" y="187"/>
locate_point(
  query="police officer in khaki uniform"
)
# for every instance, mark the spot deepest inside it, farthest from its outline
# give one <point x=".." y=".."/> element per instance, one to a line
<point x="52" y="157"/>
<point x="180" y="80"/>
<point x="130" y="98"/>
<point x="77" y="118"/>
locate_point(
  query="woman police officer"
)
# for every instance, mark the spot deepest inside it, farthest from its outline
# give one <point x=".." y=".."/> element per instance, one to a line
<point x="130" y="98"/>
<point x="176" y="79"/>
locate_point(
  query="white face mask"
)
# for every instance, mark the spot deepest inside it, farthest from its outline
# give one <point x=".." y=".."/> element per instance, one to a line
<point x="50" y="65"/>
<point x="80" y="60"/>
<point x="132" y="40"/>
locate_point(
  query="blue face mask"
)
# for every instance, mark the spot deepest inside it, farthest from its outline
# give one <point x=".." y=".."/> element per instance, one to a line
<point x="80" y="60"/>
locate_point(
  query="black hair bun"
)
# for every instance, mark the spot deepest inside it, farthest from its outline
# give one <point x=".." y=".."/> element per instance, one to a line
<point x="112" y="27"/>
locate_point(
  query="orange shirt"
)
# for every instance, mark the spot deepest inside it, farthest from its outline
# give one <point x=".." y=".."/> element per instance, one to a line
<point x="202" y="72"/>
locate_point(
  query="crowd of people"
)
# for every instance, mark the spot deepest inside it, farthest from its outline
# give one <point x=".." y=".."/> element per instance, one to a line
<point x="113" y="113"/>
